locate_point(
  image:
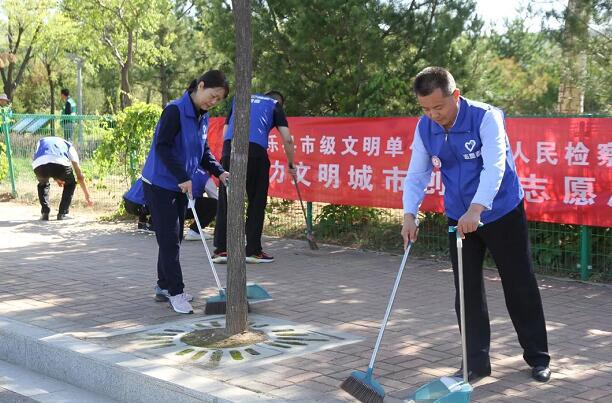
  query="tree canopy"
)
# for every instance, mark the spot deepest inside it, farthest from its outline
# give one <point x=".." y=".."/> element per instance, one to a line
<point x="329" y="57"/>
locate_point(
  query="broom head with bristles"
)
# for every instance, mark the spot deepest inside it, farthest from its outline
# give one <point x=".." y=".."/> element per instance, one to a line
<point x="363" y="387"/>
<point x="216" y="305"/>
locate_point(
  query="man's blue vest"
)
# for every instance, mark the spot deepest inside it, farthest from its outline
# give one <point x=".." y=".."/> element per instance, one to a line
<point x="188" y="147"/>
<point x="261" y="120"/>
<point x="459" y="151"/>
<point x="53" y="146"/>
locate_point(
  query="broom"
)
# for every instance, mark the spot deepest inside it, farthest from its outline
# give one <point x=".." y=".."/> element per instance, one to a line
<point x="218" y="304"/>
<point x="309" y="234"/>
<point x="361" y="385"/>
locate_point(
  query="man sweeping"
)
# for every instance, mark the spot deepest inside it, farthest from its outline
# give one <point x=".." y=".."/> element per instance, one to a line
<point x="468" y="143"/>
<point x="266" y="113"/>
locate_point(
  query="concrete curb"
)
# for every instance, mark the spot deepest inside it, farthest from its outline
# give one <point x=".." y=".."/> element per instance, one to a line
<point x="110" y="373"/>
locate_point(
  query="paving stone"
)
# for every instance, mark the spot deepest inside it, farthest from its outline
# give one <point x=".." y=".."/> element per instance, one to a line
<point x="343" y="290"/>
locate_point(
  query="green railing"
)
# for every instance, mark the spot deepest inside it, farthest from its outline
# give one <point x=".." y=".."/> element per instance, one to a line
<point x="564" y="250"/>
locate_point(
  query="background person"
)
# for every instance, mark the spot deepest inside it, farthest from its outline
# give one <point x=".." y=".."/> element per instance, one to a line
<point x="68" y="109"/>
<point x="57" y="158"/>
<point x="266" y="113"/>
<point x="206" y="207"/>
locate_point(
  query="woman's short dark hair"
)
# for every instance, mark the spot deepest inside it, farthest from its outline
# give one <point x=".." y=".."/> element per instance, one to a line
<point x="276" y="95"/>
<point x="211" y="79"/>
<point x="431" y="78"/>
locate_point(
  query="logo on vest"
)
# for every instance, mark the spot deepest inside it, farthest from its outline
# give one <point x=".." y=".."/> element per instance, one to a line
<point x="469" y="145"/>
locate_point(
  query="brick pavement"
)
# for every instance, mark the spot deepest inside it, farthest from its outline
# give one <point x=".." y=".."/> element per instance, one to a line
<point x="82" y="275"/>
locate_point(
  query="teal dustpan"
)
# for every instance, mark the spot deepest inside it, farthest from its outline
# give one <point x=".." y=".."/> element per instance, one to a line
<point x="256" y="293"/>
<point x="443" y="390"/>
<point x="217" y="304"/>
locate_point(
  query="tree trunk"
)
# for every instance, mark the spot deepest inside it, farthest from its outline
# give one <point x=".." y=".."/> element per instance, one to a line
<point x="51" y="96"/>
<point x="126" y="96"/>
<point x="51" y="89"/>
<point x="164" y="77"/>
<point x="575" y="40"/>
<point x="237" y="320"/>
<point x="164" y="84"/>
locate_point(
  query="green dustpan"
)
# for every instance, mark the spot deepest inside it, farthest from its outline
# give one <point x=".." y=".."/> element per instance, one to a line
<point x="443" y="390"/>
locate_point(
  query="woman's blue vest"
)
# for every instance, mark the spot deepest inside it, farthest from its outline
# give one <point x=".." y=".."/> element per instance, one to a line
<point x="188" y="147"/>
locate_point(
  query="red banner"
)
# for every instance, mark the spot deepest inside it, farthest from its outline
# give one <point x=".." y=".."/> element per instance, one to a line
<point x="564" y="164"/>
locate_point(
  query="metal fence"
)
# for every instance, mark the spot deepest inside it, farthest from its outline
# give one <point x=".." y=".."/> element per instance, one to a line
<point x="565" y="250"/>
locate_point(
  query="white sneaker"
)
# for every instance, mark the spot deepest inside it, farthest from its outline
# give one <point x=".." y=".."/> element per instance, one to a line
<point x="207" y="236"/>
<point x="193" y="236"/>
<point x="180" y="303"/>
<point x="162" y="295"/>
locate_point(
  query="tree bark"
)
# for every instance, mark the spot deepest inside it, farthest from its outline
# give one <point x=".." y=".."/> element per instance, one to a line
<point x="237" y="312"/>
<point x="126" y="96"/>
<point x="573" y="69"/>
<point x="164" y="77"/>
<point x="51" y="95"/>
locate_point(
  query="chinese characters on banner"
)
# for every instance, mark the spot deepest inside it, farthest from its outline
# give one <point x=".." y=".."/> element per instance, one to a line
<point x="564" y="164"/>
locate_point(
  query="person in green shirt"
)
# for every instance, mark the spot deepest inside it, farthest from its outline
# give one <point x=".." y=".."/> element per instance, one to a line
<point x="69" y="108"/>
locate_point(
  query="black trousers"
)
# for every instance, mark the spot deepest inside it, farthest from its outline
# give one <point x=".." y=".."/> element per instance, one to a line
<point x="168" y="211"/>
<point x="257" y="182"/>
<point x="136" y="209"/>
<point x="206" y="208"/>
<point x="507" y="241"/>
<point x="55" y="171"/>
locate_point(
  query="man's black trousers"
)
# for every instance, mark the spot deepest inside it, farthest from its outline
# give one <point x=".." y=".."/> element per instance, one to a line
<point x="257" y="182"/>
<point x="55" y="171"/>
<point x="507" y="241"/>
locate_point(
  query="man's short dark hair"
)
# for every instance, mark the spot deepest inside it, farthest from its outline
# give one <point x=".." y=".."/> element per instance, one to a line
<point x="276" y="95"/>
<point x="65" y="92"/>
<point x="431" y="78"/>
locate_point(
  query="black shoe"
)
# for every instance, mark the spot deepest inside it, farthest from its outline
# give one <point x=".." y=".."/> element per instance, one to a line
<point x="44" y="217"/>
<point x="473" y="376"/>
<point x="541" y="373"/>
<point x="64" y="217"/>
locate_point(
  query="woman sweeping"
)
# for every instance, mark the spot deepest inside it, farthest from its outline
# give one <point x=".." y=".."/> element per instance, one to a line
<point x="179" y="146"/>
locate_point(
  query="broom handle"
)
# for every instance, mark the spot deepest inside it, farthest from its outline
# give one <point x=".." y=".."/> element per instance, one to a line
<point x="389" y="306"/>
<point x="462" y="305"/>
<point x="191" y="204"/>
<point x="297" y="188"/>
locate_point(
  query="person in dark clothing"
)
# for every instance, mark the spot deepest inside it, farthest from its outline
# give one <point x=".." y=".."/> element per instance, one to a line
<point x="266" y="113"/>
<point x="206" y="195"/>
<point x="206" y="207"/>
<point x="68" y="109"/>
<point x="56" y="158"/>
<point x="483" y="198"/>
<point x="178" y="148"/>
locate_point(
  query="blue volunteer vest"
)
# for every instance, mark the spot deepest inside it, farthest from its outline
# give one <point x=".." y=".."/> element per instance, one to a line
<point x="188" y="147"/>
<point x="53" y="146"/>
<point x="261" y="120"/>
<point x="136" y="193"/>
<point x="459" y="151"/>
